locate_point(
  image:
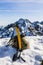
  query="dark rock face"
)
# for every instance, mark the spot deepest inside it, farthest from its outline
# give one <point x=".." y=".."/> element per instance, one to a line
<point x="42" y="62"/>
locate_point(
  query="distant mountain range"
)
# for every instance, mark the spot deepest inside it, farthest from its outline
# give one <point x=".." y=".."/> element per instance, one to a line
<point x="25" y="26"/>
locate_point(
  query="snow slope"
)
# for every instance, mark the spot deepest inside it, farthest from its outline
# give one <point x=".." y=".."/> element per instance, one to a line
<point x="32" y="55"/>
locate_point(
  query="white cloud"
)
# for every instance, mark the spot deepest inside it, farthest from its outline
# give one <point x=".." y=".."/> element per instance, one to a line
<point x="16" y="0"/>
<point x="20" y="11"/>
<point x="37" y="1"/>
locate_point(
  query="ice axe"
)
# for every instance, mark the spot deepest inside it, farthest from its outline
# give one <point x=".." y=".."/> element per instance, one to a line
<point x="19" y="50"/>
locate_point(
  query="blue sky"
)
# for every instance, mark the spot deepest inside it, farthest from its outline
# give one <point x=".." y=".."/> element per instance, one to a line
<point x="12" y="10"/>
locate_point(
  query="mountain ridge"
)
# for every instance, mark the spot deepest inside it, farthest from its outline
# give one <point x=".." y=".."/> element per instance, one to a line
<point x="25" y="26"/>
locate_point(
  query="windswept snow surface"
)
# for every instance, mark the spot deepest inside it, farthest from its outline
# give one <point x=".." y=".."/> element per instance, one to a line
<point x="32" y="55"/>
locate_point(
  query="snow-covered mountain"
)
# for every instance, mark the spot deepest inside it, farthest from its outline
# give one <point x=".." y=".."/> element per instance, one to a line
<point x="25" y="26"/>
<point x="32" y="31"/>
<point x="41" y="22"/>
<point x="39" y="27"/>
